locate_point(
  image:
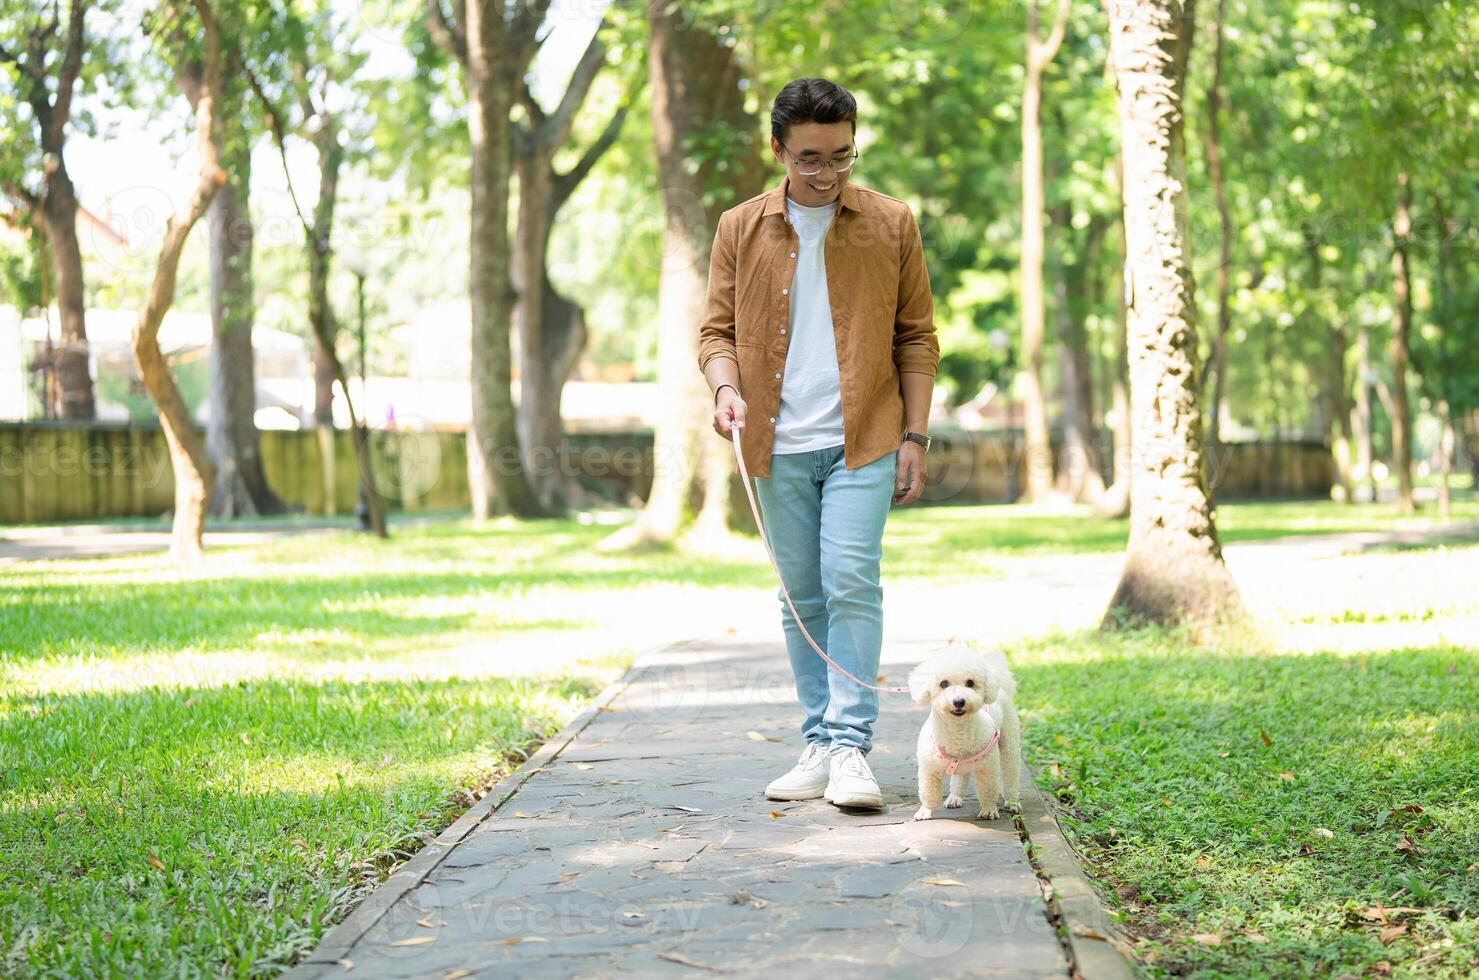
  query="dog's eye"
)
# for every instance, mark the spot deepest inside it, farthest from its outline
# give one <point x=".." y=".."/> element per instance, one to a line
<point x="945" y="683"/>
<point x="970" y="683"/>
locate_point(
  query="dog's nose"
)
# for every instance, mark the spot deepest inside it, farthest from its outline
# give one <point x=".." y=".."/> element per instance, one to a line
<point x="960" y="702"/>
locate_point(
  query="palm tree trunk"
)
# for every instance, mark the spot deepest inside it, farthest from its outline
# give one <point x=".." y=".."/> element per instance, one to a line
<point x="1173" y="572"/>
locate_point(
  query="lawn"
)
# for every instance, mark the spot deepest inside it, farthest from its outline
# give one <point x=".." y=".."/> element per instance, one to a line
<point x="204" y="770"/>
<point x="1252" y="812"/>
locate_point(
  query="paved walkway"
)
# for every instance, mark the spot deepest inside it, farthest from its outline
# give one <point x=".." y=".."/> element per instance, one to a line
<point x="645" y="845"/>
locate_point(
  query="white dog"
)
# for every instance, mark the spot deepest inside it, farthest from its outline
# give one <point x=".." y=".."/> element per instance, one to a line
<point x="972" y="729"/>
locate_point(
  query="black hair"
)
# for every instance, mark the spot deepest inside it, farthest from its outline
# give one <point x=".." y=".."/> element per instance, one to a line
<point x="814" y="100"/>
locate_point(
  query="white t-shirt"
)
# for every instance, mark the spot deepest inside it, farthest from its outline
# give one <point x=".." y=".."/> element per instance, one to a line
<point x="810" y="415"/>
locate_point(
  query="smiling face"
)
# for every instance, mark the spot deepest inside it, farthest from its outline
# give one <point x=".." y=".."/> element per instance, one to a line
<point x="814" y="143"/>
<point x="953" y="688"/>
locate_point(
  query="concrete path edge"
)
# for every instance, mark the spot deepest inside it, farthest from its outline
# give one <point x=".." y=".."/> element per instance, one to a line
<point x="336" y="943"/>
<point x="1097" y="948"/>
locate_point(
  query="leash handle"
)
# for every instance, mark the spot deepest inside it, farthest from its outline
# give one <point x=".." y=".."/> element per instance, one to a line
<point x="765" y="537"/>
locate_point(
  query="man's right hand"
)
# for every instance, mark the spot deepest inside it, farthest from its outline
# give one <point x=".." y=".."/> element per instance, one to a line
<point x="728" y="407"/>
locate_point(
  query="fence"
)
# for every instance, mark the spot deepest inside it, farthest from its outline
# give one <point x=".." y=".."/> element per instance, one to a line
<point x="56" y="471"/>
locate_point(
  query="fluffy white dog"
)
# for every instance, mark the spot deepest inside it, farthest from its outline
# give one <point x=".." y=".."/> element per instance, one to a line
<point x="972" y="729"/>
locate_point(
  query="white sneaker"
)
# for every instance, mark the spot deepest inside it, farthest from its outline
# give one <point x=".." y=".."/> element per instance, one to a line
<point x="851" y="782"/>
<point x="806" y="780"/>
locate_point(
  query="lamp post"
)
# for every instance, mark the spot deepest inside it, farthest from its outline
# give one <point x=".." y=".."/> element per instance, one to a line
<point x="370" y="510"/>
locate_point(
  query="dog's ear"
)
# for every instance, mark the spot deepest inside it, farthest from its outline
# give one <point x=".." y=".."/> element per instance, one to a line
<point x="989" y="688"/>
<point x="921" y="684"/>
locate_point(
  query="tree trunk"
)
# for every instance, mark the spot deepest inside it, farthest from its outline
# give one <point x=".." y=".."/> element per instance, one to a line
<point x="1362" y="418"/>
<point x="551" y="327"/>
<point x="59" y="211"/>
<point x="320" y="254"/>
<point x="695" y="91"/>
<point x="1399" y="349"/>
<point x="496" y="475"/>
<point x="1333" y="382"/>
<point x="1037" y="441"/>
<point x="1173" y="571"/>
<point x="231" y="438"/>
<point x="47" y="86"/>
<point x="1078" y="477"/>
<point x="1116" y="500"/>
<point x="1445" y="460"/>
<point x="192" y="470"/>
<point x="1217" y="359"/>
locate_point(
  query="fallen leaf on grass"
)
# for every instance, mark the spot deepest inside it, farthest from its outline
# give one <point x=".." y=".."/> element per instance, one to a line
<point x="1408" y="846"/>
<point x="154" y="861"/>
<point x="299" y="842"/>
<point x="1207" y="939"/>
<point x="415" y="941"/>
<point x="1255" y="937"/>
<point x="1382" y="966"/>
<point x="757" y="737"/>
<point x="1323" y="832"/>
<point x="945" y="881"/>
<point x="245" y="738"/>
<point x="1203" y="863"/>
<point x="1263" y="737"/>
<point x="1389" y="934"/>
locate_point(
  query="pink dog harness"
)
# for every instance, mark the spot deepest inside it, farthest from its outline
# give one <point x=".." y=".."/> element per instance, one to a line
<point x="955" y="763"/>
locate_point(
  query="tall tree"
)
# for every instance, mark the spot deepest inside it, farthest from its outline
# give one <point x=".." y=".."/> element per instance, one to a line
<point x="1174" y="572"/>
<point x="1038" y="448"/>
<point x="551" y="326"/>
<point x="45" y="59"/>
<point x="198" y="70"/>
<point x="708" y="155"/>
<point x="231" y="437"/>
<point x="493" y="42"/>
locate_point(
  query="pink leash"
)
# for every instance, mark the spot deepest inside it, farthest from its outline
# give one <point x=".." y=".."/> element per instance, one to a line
<point x="765" y="537"/>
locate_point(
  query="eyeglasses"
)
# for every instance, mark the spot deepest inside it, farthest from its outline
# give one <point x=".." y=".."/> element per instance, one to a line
<point x="810" y="168"/>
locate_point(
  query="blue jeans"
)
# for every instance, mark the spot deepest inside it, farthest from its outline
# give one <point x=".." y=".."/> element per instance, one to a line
<point x="825" y="526"/>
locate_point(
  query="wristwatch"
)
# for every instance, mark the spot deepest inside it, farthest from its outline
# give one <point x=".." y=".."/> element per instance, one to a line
<point x="916" y="437"/>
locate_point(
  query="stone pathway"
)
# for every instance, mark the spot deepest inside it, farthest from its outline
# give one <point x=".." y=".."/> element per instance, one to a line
<point x="645" y="846"/>
<point x="638" y="840"/>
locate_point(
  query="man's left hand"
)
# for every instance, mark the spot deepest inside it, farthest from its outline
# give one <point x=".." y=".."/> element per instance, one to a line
<point x="909" y="482"/>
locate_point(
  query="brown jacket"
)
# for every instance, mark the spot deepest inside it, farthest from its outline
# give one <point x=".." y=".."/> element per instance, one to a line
<point x="882" y="314"/>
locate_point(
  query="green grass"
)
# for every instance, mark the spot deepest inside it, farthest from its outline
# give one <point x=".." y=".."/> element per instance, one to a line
<point x="1248" y="812"/>
<point x="200" y="771"/>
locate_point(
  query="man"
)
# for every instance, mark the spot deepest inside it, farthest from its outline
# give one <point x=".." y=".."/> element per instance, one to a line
<point x="819" y="316"/>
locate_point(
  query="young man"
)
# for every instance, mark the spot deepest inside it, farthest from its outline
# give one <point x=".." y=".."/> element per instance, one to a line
<point x="819" y="317"/>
